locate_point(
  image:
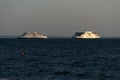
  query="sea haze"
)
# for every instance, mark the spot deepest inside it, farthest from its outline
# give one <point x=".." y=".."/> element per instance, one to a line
<point x="59" y="59"/>
<point x="60" y="17"/>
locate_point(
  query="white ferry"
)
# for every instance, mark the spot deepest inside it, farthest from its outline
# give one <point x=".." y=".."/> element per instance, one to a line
<point x="32" y="35"/>
<point x="86" y="35"/>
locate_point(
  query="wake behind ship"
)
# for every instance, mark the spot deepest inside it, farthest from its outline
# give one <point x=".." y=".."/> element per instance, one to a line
<point x="33" y="35"/>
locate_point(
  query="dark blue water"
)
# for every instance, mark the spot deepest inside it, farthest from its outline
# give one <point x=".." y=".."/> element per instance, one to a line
<point x="59" y="59"/>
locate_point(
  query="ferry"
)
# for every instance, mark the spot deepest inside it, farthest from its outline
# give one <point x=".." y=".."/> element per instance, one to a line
<point x="33" y="35"/>
<point x="86" y="35"/>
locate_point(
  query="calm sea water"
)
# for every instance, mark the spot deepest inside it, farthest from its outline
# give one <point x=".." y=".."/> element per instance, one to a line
<point x="59" y="59"/>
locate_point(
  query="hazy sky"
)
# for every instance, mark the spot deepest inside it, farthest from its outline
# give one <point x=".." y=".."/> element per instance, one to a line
<point x="60" y="17"/>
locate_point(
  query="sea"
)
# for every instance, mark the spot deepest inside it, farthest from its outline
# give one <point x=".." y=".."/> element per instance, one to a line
<point x="59" y="59"/>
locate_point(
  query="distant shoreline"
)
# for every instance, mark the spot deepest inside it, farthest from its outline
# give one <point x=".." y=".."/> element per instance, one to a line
<point x="60" y="37"/>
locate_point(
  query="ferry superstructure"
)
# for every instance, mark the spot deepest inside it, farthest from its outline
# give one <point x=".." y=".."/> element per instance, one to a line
<point x="86" y="35"/>
<point x="33" y="35"/>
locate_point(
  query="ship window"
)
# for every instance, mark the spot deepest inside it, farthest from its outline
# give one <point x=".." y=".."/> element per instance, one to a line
<point x="79" y="33"/>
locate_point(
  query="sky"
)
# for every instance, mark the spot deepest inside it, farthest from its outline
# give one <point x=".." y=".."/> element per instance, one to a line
<point x="60" y="17"/>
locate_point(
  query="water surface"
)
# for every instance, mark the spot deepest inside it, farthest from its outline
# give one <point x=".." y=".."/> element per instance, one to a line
<point x="59" y="59"/>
